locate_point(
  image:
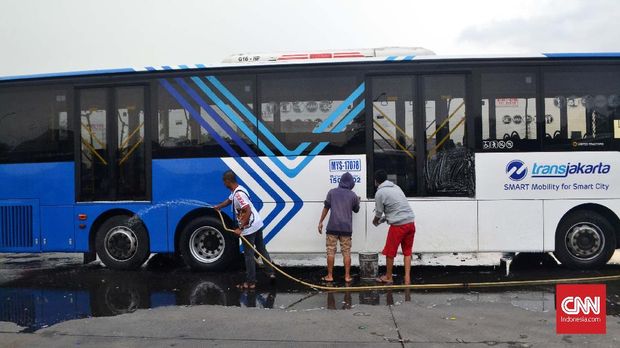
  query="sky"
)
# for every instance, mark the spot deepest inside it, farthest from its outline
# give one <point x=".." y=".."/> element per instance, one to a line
<point x="38" y="36"/>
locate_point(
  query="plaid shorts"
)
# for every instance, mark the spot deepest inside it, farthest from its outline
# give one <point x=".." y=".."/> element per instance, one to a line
<point x="345" y="244"/>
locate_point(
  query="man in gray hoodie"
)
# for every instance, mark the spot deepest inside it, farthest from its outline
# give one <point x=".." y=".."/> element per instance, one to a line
<point x="342" y="202"/>
<point x="392" y="206"/>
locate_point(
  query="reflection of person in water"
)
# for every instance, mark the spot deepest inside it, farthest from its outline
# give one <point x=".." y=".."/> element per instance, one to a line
<point x="331" y="300"/>
<point x="265" y="300"/>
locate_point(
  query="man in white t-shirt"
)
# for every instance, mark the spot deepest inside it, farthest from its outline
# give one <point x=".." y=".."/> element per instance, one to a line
<point x="249" y="224"/>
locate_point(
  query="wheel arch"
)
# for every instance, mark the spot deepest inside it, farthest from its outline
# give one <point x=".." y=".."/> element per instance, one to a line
<point x="600" y="209"/>
<point x="193" y="214"/>
<point x="105" y="216"/>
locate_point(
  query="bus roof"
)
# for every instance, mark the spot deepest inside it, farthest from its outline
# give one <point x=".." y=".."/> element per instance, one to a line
<point x="308" y="59"/>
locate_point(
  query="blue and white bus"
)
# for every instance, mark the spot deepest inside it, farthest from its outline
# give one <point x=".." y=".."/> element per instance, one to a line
<point x="496" y="154"/>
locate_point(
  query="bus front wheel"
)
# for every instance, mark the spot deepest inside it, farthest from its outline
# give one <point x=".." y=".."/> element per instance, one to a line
<point x="122" y="242"/>
<point x="205" y="246"/>
<point x="584" y="239"/>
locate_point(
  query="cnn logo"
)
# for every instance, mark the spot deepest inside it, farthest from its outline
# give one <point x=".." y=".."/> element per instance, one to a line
<point x="580" y="309"/>
<point x="575" y="305"/>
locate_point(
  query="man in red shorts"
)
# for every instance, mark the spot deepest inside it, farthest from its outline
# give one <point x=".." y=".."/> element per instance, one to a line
<point x="392" y="206"/>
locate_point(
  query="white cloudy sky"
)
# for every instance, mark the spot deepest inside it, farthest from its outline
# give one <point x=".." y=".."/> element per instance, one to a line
<point x="60" y="35"/>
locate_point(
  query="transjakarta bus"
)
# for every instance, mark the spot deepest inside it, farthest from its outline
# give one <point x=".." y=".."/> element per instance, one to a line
<point x="496" y="154"/>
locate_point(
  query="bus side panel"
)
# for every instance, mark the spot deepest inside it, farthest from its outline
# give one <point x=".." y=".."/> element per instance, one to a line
<point x="302" y="236"/>
<point x="441" y="226"/>
<point x="50" y="183"/>
<point x="57" y="230"/>
<point x="556" y="209"/>
<point x="515" y="225"/>
<point x="153" y="216"/>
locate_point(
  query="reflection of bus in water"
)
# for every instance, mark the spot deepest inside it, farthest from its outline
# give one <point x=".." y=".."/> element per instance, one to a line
<point x="47" y="297"/>
<point x="495" y="154"/>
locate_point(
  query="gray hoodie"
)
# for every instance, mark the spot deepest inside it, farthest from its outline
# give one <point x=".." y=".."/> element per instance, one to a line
<point x="342" y="202"/>
<point x="391" y="201"/>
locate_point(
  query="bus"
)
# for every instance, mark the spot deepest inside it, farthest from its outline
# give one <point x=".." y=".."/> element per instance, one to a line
<point x="495" y="153"/>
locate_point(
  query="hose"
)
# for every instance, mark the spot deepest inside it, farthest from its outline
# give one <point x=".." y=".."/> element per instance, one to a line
<point x="436" y="286"/>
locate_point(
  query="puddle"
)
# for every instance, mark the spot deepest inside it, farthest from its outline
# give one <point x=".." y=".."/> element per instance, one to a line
<point x="61" y="289"/>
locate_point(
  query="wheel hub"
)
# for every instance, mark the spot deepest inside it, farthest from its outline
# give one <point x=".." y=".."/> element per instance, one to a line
<point x="121" y="243"/>
<point x="207" y="244"/>
<point x="585" y="241"/>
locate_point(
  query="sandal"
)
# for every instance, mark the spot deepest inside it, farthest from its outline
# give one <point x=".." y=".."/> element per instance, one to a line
<point x="246" y="286"/>
<point x="383" y="280"/>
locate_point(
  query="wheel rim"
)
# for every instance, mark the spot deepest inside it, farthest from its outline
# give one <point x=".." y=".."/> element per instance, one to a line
<point x="207" y="244"/>
<point x="585" y="241"/>
<point x="207" y="293"/>
<point x="120" y="300"/>
<point x="121" y="243"/>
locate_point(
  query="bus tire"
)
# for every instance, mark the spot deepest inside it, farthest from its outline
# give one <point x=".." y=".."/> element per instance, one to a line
<point x="584" y="239"/>
<point x="122" y="243"/>
<point x="206" y="246"/>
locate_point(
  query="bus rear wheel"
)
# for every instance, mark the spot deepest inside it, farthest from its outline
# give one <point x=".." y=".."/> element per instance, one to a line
<point x="122" y="243"/>
<point x="584" y="239"/>
<point x="206" y="246"/>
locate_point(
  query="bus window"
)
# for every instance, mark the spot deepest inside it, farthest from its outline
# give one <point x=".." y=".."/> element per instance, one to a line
<point x="582" y="110"/>
<point x="35" y="125"/>
<point x="304" y="112"/>
<point x="393" y="123"/>
<point x="189" y="107"/>
<point x="508" y="112"/>
<point x="448" y="167"/>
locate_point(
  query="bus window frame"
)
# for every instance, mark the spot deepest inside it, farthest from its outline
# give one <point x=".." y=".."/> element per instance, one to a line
<point x="535" y="69"/>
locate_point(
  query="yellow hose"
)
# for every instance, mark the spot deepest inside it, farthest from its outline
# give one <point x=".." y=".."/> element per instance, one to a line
<point x="511" y="283"/>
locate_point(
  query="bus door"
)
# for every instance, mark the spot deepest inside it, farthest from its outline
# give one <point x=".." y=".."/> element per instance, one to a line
<point x="393" y="109"/>
<point x="113" y="161"/>
<point x="447" y="163"/>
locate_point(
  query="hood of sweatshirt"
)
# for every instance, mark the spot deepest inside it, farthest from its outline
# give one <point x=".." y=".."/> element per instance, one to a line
<point x="386" y="183"/>
<point x="347" y="181"/>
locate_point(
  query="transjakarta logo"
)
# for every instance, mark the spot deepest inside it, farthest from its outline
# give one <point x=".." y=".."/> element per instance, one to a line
<point x="517" y="170"/>
<point x="580" y="308"/>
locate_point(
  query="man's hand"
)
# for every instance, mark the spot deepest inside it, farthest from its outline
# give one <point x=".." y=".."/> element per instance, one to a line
<point x="320" y="227"/>
<point x="217" y="208"/>
<point x="376" y="221"/>
<point x="237" y="231"/>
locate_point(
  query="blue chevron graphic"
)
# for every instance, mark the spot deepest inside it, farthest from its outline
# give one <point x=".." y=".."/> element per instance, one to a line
<point x="196" y="115"/>
<point x="232" y="116"/>
<point x="297" y="203"/>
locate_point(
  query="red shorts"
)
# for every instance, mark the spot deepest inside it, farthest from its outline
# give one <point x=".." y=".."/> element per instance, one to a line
<point x="399" y="235"/>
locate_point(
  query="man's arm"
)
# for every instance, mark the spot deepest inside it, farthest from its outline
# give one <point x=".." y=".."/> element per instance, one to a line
<point x="323" y="215"/>
<point x="378" y="209"/>
<point x="356" y="204"/>
<point x="224" y="204"/>
<point x="244" y="216"/>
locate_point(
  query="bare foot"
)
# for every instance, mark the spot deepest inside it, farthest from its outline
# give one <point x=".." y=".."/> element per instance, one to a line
<point x="348" y="279"/>
<point x="327" y="279"/>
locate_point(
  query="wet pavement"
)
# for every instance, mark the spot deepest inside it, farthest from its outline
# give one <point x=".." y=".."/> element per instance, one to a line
<point x="38" y="291"/>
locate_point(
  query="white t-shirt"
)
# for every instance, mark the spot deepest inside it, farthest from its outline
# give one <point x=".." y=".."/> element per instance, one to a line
<point x="240" y="199"/>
